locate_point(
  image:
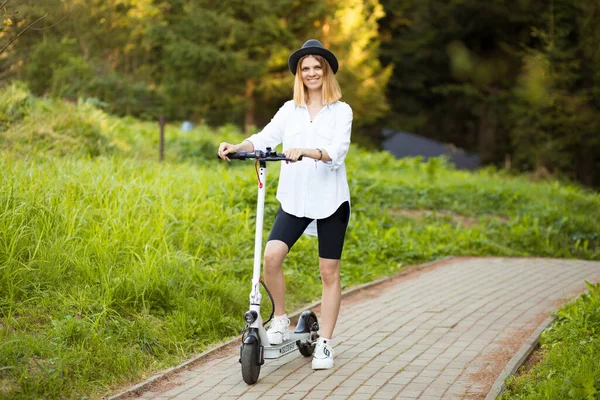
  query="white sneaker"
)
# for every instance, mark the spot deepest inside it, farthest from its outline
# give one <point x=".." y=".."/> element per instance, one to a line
<point x="279" y="330"/>
<point x="323" y="356"/>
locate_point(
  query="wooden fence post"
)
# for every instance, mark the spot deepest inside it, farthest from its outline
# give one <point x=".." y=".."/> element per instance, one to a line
<point x="161" y="122"/>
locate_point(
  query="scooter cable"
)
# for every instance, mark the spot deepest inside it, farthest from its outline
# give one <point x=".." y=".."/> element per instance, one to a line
<point x="260" y="185"/>
<point x="270" y="298"/>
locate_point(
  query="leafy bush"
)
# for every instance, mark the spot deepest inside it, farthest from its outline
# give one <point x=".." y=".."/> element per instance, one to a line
<point x="15" y="104"/>
<point x="55" y="67"/>
<point x="58" y="128"/>
<point x="123" y="96"/>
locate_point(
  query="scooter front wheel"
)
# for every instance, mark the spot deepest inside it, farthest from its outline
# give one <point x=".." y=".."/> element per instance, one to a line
<point x="249" y="358"/>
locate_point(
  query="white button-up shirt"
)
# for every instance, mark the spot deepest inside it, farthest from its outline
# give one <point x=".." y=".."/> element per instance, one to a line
<point x="310" y="188"/>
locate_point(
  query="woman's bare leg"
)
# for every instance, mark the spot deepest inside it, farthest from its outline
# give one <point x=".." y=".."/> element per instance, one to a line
<point x="275" y="253"/>
<point x="332" y="296"/>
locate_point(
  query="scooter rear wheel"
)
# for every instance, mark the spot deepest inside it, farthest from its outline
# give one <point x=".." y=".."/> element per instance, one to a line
<point x="249" y="358"/>
<point x="306" y="349"/>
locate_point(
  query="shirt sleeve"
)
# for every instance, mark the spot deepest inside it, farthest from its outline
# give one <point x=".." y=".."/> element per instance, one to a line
<point x="340" y="144"/>
<point x="272" y="133"/>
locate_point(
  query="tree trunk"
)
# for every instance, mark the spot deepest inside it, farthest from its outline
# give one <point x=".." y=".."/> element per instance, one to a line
<point x="584" y="167"/>
<point x="487" y="136"/>
<point x="249" y="120"/>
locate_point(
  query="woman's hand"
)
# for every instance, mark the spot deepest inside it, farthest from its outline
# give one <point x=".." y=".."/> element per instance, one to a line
<point x="293" y="153"/>
<point x="227" y="148"/>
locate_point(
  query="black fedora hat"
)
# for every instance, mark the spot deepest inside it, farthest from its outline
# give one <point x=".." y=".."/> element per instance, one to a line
<point x="312" y="47"/>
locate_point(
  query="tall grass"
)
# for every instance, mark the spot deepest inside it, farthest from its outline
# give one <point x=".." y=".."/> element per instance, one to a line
<point x="113" y="264"/>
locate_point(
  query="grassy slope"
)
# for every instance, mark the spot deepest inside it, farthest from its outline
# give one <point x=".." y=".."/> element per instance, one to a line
<point x="113" y="264"/>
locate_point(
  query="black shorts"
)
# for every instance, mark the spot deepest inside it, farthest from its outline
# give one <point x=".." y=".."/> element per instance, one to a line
<point x="332" y="230"/>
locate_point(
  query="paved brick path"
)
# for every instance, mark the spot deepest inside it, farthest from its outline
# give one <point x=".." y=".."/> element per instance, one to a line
<point x="443" y="332"/>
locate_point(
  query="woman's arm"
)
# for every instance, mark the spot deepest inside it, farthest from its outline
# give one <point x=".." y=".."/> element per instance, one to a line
<point x="317" y="154"/>
<point x="270" y="136"/>
<point x="340" y="144"/>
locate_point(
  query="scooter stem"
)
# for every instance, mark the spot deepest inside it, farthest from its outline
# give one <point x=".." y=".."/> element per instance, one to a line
<point x="255" y="295"/>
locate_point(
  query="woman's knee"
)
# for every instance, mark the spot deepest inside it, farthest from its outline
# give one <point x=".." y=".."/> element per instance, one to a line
<point x="330" y="271"/>
<point x="275" y="252"/>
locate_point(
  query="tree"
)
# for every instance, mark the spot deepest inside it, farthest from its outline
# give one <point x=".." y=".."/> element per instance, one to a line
<point x="90" y="49"/>
<point x="212" y="55"/>
<point x="556" y="102"/>
<point x="351" y="30"/>
<point x="455" y="64"/>
<point x="511" y="80"/>
<point x="10" y="30"/>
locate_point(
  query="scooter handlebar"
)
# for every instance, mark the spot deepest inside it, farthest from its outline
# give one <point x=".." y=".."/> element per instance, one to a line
<point x="259" y="155"/>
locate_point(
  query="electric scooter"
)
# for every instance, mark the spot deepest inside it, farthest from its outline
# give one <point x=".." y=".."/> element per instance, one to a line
<point x="255" y="346"/>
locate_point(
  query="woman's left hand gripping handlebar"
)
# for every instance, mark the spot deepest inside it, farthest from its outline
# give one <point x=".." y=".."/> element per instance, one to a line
<point x="293" y="153"/>
<point x="227" y="148"/>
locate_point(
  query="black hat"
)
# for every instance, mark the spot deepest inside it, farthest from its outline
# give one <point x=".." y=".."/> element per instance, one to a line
<point x="312" y="47"/>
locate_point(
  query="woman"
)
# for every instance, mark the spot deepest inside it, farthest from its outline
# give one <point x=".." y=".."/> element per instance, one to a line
<point x="316" y="126"/>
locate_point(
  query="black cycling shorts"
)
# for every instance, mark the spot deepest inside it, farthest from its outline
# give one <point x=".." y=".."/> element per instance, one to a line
<point x="331" y="230"/>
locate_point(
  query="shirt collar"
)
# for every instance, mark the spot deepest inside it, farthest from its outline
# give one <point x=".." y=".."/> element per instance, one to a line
<point x="328" y="105"/>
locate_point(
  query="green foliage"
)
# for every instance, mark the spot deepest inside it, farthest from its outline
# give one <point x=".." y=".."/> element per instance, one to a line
<point x="210" y="50"/>
<point x="50" y="66"/>
<point x="15" y="104"/>
<point x="555" y="117"/>
<point x="52" y="127"/>
<point x="350" y="30"/>
<point x="517" y="82"/>
<point x="117" y="265"/>
<point x="122" y="96"/>
<point x="211" y="62"/>
<point x="570" y="368"/>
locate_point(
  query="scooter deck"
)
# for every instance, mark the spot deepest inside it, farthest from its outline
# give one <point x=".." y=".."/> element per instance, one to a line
<point x="279" y="350"/>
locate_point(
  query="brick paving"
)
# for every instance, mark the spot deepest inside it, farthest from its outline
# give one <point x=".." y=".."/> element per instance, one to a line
<point x="444" y="332"/>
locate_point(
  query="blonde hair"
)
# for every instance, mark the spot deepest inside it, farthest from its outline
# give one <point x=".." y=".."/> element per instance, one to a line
<point x="330" y="90"/>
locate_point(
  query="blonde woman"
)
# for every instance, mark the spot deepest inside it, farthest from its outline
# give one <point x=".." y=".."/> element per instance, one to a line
<point x="316" y="126"/>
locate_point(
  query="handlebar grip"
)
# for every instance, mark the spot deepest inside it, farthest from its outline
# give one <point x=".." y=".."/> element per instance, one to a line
<point x="282" y="157"/>
<point x="242" y="155"/>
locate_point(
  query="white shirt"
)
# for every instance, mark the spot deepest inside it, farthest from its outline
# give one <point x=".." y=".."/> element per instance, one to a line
<point x="310" y="188"/>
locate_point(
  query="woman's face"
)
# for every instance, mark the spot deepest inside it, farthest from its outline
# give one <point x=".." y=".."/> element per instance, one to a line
<point x="312" y="73"/>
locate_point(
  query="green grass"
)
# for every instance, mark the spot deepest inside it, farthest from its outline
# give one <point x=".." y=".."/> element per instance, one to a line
<point x="570" y="368"/>
<point x="114" y="265"/>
